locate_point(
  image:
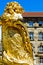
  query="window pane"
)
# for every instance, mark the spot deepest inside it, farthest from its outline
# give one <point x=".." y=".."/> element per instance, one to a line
<point x="40" y="36"/>
<point x="41" y="60"/>
<point x="31" y="34"/>
<point x="0" y="39"/>
<point x="40" y="23"/>
<point x="30" y="23"/>
<point x="0" y="32"/>
<point x="41" y="49"/>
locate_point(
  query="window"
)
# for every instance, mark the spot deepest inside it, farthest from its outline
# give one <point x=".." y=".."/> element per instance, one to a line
<point x="31" y="34"/>
<point x="40" y="35"/>
<point x="40" y="49"/>
<point x="31" y="23"/>
<point x="41" y="59"/>
<point x="40" y="23"/>
<point x="0" y="32"/>
<point x="0" y="40"/>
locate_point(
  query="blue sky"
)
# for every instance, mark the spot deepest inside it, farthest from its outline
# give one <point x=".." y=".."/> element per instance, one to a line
<point x="28" y="5"/>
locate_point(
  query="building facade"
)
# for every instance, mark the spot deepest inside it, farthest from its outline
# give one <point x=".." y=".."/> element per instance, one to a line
<point x="34" y="23"/>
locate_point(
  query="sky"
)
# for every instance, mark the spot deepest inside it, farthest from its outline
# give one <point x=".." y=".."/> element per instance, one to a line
<point x="28" y="5"/>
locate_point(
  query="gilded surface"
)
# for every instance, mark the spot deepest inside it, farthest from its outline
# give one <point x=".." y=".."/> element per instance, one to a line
<point x="16" y="43"/>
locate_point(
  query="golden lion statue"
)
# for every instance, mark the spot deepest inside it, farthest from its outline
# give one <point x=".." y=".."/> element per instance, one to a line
<point x="17" y="49"/>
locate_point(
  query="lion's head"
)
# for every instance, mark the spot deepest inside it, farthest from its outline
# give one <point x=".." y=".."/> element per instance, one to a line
<point x="14" y="7"/>
<point x="13" y="11"/>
